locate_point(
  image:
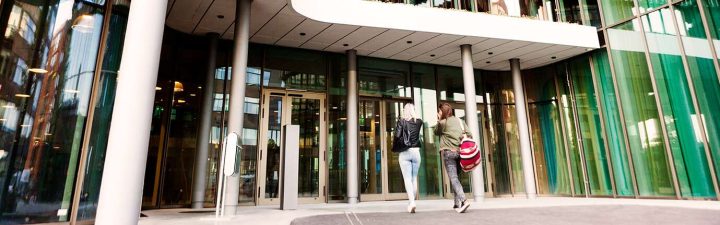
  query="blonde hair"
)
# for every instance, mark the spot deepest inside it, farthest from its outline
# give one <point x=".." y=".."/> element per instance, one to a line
<point x="409" y="112"/>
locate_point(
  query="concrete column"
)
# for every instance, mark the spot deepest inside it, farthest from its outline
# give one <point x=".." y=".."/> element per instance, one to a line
<point x="525" y="152"/>
<point x="351" y="126"/>
<point x="237" y="93"/>
<point x="471" y="116"/>
<point x="203" y="136"/>
<point x="122" y="182"/>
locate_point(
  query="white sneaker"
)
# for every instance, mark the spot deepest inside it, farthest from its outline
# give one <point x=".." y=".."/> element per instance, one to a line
<point x="411" y="208"/>
<point x="463" y="207"/>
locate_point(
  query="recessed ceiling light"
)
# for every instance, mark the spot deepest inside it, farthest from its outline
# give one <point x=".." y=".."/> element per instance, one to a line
<point x="181" y="101"/>
<point x="488" y="62"/>
<point x="302" y="34"/>
<point x="22" y="95"/>
<point x="553" y="57"/>
<point x="588" y="49"/>
<point x="220" y="17"/>
<point x="433" y="55"/>
<point x="192" y="95"/>
<point x="158" y="88"/>
<point x="490" y="53"/>
<point x="345" y="45"/>
<point x="409" y="42"/>
<point x="37" y="70"/>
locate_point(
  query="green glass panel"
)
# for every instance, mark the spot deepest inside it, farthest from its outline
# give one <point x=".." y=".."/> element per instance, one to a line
<point x="707" y="90"/>
<point x="613" y="127"/>
<point x="591" y="13"/>
<point x="680" y="116"/>
<point x="640" y="111"/>
<point x="590" y="127"/>
<point x="493" y="85"/>
<point x="647" y="5"/>
<point x="712" y="15"/>
<point x="512" y="136"/>
<point x="616" y="10"/>
<point x="546" y="132"/>
<point x="571" y="135"/>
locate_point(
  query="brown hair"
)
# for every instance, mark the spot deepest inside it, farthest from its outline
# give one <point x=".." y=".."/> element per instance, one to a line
<point x="446" y="110"/>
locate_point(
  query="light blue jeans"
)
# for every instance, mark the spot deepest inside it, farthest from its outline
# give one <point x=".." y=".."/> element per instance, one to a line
<point x="410" y="164"/>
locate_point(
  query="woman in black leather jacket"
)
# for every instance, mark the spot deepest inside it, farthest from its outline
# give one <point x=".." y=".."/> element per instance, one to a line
<point x="409" y="159"/>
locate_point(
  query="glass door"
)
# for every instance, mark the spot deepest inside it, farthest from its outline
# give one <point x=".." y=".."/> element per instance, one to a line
<point x="307" y="110"/>
<point x="380" y="175"/>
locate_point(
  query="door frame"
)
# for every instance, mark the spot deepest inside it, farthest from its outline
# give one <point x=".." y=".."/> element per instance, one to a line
<point x="385" y="195"/>
<point x="287" y="96"/>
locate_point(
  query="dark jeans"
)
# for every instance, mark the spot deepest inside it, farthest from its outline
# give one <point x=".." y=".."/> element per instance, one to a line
<point x="452" y="163"/>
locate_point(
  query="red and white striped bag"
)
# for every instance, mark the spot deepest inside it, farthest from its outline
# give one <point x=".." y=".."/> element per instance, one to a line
<point x="469" y="152"/>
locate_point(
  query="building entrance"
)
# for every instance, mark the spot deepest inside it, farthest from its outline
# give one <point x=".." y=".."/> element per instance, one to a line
<point x="380" y="175"/>
<point x="279" y="108"/>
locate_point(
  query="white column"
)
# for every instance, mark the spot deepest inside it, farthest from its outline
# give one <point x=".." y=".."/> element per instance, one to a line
<point x="124" y="171"/>
<point x="525" y="152"/>
<point x="471" y="118"/>
<point x="203" y="136"/>
<point x="351" y="127"/>
<point x="237" y="94"/>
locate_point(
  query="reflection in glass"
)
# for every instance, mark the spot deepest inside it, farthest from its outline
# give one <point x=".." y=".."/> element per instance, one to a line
<point x="103" y="113"/>
<point x="377" y="77"/>
<point x="45" y="87"/>
<point x="546" y="132"/>
<point x="616" y="10"/>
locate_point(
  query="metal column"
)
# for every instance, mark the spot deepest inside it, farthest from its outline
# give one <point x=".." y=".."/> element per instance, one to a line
<point x="124" y="171"/>
<point x="203" y="136"/>
<point x="520" y="109"/>
<point x="237" y="93"/>
<point x="471" y="117"/>
<point x="351" y="126"/>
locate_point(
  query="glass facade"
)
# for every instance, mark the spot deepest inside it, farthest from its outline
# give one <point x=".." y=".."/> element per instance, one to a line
<point x="57" y="79"/>
<point x="572" y="11"/>
<point x="639" y="117"/>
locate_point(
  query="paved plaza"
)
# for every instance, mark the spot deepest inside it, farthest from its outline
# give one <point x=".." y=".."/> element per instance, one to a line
<point x="491" y="211"/>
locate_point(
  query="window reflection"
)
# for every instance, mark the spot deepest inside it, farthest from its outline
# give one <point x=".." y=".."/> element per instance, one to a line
<point x="46" y="83"/>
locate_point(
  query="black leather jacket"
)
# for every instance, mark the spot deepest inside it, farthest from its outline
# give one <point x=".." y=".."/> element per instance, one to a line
<point x="413" y="127"/>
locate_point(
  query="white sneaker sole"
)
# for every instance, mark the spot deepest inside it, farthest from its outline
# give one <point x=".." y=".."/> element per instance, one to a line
<point x="463" y="208"/>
